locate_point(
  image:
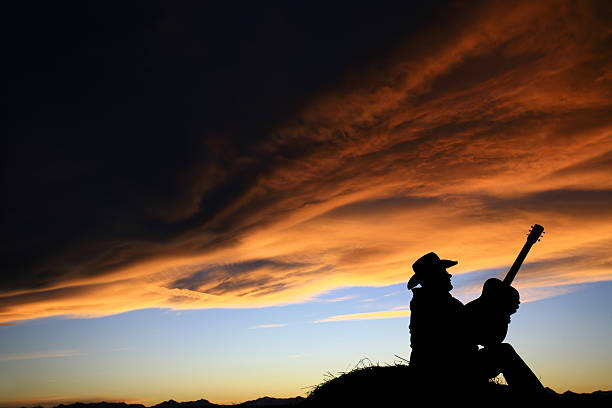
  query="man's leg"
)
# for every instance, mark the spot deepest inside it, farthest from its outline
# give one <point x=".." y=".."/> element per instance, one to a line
<point x="517" y="373"/>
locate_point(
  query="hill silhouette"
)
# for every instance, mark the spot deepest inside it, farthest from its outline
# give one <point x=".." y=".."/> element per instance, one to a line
<point x="201" y="403"/>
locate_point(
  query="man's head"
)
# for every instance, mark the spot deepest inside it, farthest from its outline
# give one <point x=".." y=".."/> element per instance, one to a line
<point x="430" y="272"/>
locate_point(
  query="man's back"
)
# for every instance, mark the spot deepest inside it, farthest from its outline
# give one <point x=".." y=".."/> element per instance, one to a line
<point x="439" y="337"/>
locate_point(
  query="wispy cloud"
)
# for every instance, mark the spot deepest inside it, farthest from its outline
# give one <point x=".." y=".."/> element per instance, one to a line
<point x="335" y="300"/>
<point x="386" y="314"/>
<point x="534" y="294"/>
<point x="40" y="354"/>
<point x="267" y="326"/>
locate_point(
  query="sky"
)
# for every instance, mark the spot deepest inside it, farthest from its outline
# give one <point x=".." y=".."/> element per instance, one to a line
<point x="224" y="200"/>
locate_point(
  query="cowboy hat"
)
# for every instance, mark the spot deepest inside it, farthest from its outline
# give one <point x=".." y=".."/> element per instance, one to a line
<point x="425" y="263"/>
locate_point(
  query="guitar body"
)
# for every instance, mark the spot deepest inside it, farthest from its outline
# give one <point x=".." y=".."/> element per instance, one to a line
<point x="489" y="315"/>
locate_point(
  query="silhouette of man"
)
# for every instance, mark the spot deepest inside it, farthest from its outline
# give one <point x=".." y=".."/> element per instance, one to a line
<point x="442" y="335"/>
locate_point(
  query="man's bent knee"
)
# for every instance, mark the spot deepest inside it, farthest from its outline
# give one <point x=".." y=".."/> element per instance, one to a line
<point x="506" y="348"/>
<point x="501" y="352"/>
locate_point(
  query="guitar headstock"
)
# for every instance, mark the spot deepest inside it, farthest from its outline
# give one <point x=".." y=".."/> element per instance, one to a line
<point x="534" y="234"/>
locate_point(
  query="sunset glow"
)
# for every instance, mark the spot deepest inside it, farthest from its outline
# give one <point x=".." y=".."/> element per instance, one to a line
<point x="454" y="140"/>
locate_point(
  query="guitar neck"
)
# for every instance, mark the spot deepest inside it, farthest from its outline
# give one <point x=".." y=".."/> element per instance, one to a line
<point x="517" y="264"/>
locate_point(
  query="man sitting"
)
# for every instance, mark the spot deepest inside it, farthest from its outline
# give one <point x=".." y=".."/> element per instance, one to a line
<point x="443" y="335"/>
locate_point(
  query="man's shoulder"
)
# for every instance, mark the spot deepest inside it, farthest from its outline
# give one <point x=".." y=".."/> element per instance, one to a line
<point x="418" y="298"/>
<point x="456" y="301"/>
<point x="421" y="296"/>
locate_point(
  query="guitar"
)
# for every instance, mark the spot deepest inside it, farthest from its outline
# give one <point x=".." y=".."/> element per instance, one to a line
<point x="489" y="315"/>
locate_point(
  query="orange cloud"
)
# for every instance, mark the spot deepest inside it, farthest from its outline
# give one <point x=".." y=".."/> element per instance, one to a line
<point x="465" y="137"/>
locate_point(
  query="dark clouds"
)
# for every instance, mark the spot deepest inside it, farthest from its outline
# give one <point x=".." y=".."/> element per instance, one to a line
<point x="230" y="277"/>
<point x="138" y="122"/>
<point x="332" y="143"/>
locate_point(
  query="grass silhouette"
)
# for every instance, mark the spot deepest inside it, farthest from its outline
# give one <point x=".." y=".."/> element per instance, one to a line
<point x="395" y="385"/>
<point x="366" y="383"/>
